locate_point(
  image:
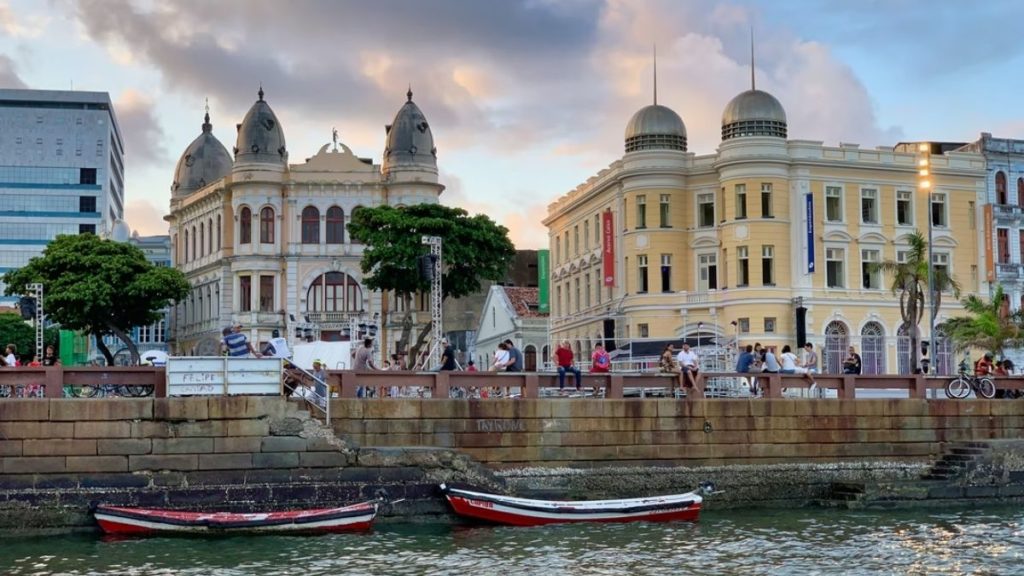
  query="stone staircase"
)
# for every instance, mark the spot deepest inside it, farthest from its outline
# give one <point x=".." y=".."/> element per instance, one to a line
<point x="959" y="459"/>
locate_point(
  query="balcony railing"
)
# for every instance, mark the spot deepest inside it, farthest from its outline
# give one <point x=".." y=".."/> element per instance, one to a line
<point x="1008" y="271"/>
<point x="1006" y="210"/>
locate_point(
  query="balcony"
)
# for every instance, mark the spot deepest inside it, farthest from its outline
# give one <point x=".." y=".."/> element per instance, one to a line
<point x="1006" y="271"/>
<point x="329" y="319"/>
<point x="1006" y="212"/>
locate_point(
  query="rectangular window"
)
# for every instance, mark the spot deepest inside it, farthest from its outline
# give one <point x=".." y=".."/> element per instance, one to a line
<point x="87" y="176"/>
<point x="641" y="211"/>
<point x="835" y="275"/>
<point x="666" y="272"/>
<point x="558" y="249"/>
<point x="971" y="216"/>
<point x="644" y="330"/>
<point x="559" y="309"/>
<point x="833" y="204"/>
<point x="597" y="231"/>
<point x="904" y="208"/>
<point x="769" y="324"/>
<point x="707" y="272"/>
<point x="741" y="201"/>
<point x="245" y="293"/>
<point x="901" y="256"/>
<point x="705" y="210"/>
<point x="586" y="235"/>
<point x="641" y="263"/>
<point x="766" y="200"/>
<point x="743" y="325"/>
<point x="869" y="206"/>
<point x="86" y="228"/>
<point x="266" y="293"/>
<point x="938" y="210"/>
<point x="86" y="203"/>
<point x="768" y="265"/>
<point x="940" y="262"/>
<point x="1003" y="241"/>
<point x="743" y="269"/>
<point x="664" y="211"/>
<point x="576" y="285"/>
<point x="576" y="240"/>
<point x="586" y="291"/>
<point x="871" y="276"/>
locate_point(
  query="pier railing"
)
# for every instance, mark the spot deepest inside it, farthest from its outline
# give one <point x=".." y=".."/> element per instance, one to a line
<point x="60" y="382"/>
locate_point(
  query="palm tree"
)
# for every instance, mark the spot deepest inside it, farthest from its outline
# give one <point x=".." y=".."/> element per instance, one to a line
<point x="989" y="327"/>
<point x="910" y="282"/>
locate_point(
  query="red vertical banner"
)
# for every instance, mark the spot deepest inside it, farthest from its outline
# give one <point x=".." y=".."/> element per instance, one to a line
<point x="608" y="250"/>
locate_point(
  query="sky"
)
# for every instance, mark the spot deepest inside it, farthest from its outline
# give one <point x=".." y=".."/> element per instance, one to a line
<point x="526" y="99"/>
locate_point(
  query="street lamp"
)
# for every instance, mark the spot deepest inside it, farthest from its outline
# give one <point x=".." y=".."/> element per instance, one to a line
<point x="924" y="184"/>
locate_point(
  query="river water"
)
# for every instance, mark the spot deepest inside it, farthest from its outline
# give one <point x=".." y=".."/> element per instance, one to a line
<point x="985" y="541"/>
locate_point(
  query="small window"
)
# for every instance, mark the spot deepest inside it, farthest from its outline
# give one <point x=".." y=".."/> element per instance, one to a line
<point x="86" y="228"/>
<point x="267" y="225"/>
<point x="245" y="293"/>
<point x="666" y="273"/>
<point x="743" y="269"/>
<point x="86" y="176"/>
<point x="266" y="293"/>
<point x="871" y="276"/>
<point x="705" y="210"/>
<point x="86" y="203"/>
<point x="833" y="204"/>
<point x="769" y="324"/>
<point x="664" y="212"/>
<point x="766" y="200"/>
<point x="644" y="330"/>
<point x="768" y="265"/>
<point x="869" y="206"/>
<point x="1001" y="196"/>
<point x="743" y="325"/>
<point x="1003" y="243"/>
<point x="641" y="262"/>
<point x="835" y="274"/>
<point x="641" y="212"/>
<point x="939" y="210"/>
<point x="335" y="225"/>
<point x="244" y="226"/>
<point x="741" y="201"/>
<point x="904" y="208"/>
<point x="310" y="225"/>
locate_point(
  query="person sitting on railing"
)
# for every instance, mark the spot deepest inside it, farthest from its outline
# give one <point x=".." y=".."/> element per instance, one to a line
<point x="600" y="363"/>
<point x="237" y="344"/>
<point x="983" y="366"/>
<point x="689" y="365"/>
<point x="852" y="363"/>
<point x="565" y="364"/>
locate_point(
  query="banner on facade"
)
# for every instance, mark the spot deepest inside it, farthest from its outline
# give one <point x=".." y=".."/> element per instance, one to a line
<point x="608" y="249"/>
<point x="990" y="269"/>
<point x="810" y="233"/>
<point x="543" y="274"/>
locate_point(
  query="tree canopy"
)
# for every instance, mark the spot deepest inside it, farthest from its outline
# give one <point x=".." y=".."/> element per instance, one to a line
<point x="474" y="249"/>
<point x="100" y="287"/>
<point x="989" y="326"/>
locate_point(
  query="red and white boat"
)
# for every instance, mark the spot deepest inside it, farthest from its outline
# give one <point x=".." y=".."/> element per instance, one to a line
<point x="140" y="521"/>
<point x="481" y="505"/>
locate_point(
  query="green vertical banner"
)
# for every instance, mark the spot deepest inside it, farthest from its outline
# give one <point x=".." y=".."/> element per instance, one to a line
<point x="543" y="274"/>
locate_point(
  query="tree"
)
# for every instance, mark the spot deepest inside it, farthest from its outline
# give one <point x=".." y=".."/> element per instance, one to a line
<point x="910" y="281"/>
<point x="17" y="331"/>
<point x="474" y="248"/>
<point x="100" y="287"/>
<point x="989" y="327"/>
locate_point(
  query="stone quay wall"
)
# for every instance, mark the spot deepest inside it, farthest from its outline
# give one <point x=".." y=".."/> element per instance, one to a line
<point x="57" y="456"/>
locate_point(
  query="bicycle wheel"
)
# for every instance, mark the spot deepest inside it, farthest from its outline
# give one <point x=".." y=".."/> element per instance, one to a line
<point x="958" y="388"/>
<point x="986" y="388"/>
<point x="137" y="390"/>
<point x="86" y="391"/>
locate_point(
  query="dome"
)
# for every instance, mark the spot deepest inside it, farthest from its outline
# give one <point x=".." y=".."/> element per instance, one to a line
<point x="205" y="160"/>
<point x="409" y="141"/>
<point x="655" y="127"/>
<point x="260" y="137"/>
<point x="120" y="231"/>
<point x="753" y="113"/>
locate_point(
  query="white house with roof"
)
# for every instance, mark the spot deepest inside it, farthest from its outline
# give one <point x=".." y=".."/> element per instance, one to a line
<point x="512" y="313"/>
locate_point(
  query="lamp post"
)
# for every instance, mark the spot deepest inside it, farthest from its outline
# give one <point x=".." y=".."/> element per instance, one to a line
<point x="924" y="183"/>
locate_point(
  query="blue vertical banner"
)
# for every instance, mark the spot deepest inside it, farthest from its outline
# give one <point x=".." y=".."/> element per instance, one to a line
<point x="810" y="233"/>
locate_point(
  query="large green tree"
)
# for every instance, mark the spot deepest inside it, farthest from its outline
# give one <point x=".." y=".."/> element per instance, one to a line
<point x="100" y="287"/>
<point x="989" y="326"/>
<point x="474" y="248"/>
<point x="910" y="282"/>
<point x="15" y="330"/>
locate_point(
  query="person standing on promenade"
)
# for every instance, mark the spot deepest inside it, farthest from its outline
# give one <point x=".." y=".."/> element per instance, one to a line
<point x="50" y="357"/>
<point x="447" y="356"/>
<point x="320" y="382"/>
<point x="515" y="358"/>
<point x="564" y="357"/>
<point x="237" y="345"/>
<point x="11" y="355"/>
<point x="852" y="363"/>
<point x="689" y="365"/>
<point x="364" y="361"/>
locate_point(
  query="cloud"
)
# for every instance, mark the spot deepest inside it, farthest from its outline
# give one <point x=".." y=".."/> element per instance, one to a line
<point x="9" y="75"/>
<point x="145" y="218"/>
<point x="27" y="26"/>
<point x="140" y="128"/>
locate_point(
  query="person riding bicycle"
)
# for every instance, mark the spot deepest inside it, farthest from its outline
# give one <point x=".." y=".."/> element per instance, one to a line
<point x="984" y="367"/>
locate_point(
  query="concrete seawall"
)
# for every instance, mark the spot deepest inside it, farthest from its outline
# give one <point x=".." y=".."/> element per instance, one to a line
<point x="247" y="453"/>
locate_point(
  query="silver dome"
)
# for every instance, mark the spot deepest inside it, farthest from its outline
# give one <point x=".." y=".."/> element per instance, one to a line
<point x="655" y="127"/>
<point x="409" y="140"/>
<point x="260" y="137"/>
<point x="205" y="160"/>
<point x="753" y="113"/>
<point x="120" y="231"/>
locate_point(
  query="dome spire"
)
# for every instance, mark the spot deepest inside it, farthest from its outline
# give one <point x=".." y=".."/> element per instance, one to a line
<point x="752" y="85"/>
<point x="408" y="95"/>
<point x="260" y="93"/>
<point x="655" y="74"/>
<point x="206" y="118"/>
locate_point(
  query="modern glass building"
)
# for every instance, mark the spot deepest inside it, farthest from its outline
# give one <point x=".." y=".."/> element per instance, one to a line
<point x="61" y="170"/>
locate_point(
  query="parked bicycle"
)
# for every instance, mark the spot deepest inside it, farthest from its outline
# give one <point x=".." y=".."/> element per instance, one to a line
<point x="108" y="391"/>
<point x="965" y="382"/>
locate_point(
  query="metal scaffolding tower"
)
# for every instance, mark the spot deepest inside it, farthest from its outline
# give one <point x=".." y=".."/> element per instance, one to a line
<point x="435" y="299"/>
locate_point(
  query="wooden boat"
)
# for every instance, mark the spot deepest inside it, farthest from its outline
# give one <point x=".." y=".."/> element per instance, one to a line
<point x="140" y="521"/>
<point x="482" y="505"/>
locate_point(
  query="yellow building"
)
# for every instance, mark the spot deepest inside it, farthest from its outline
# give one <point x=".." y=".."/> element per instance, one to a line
<point x="665" y="244"/>
<point x="265" y="243"/>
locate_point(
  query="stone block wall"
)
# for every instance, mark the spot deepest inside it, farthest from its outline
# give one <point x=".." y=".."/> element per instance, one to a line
<point x="585" y="432"/>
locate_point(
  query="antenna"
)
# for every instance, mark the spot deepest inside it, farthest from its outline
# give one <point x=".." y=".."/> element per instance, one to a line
<point x="752" y="85"/>
<point x="655" y="74"/>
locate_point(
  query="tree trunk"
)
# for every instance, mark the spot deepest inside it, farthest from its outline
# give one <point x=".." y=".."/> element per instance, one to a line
<point x="132" y="348"/>
<point x="420" y="340"/>
<point x="104" y="350"/>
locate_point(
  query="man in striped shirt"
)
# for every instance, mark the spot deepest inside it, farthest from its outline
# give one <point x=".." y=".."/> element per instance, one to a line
<point x="237" y="344"/>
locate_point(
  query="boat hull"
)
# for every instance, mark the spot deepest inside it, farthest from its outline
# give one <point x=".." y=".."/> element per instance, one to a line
<point x="507" y="510"/>
<point x="142" y="521"/>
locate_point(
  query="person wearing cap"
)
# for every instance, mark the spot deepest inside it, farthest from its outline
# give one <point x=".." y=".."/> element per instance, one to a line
<point x="447" y="355"/>
<point x="277" y="347"/>
<point x="320" y="374"/>
<point x="237" y="344"/>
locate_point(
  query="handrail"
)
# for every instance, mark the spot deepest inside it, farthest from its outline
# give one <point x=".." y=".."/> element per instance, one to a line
<point x="325" y="407"/>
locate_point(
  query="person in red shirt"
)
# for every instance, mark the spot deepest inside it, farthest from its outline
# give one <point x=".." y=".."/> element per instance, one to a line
<point x="983" y="367"/>
<point x="565" y="364"/>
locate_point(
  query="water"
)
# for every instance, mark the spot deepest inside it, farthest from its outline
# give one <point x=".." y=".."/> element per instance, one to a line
<point x="986" y="541"/>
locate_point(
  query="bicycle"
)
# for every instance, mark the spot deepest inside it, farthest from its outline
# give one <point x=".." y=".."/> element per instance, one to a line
<point x="961" y="386"/>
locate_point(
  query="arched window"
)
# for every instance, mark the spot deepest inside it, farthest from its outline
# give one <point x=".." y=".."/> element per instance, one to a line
<point x="353" y="217"/>
<point x="872" y="348"/>
<point x="335" y="225"/>
<point x="194" y="253"/>
<point x="837" y="341"/>
<point x="334" y="292"/>
<point x="218" y="231"/>
<point x="209" y="237"/>
<point x="245" y="226"/>
<point x="1000" y="188"/>
<point x="310" y="225"/>
<point x="186" y="245"/>
<point x="267" y="225"/>
<point x="903" y="349"/>
<point x="202" y="240"/>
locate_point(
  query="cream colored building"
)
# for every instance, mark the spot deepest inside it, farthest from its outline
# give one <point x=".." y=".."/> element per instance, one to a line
<point x="265" y="243"/>
<point x="729" y="245"/>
